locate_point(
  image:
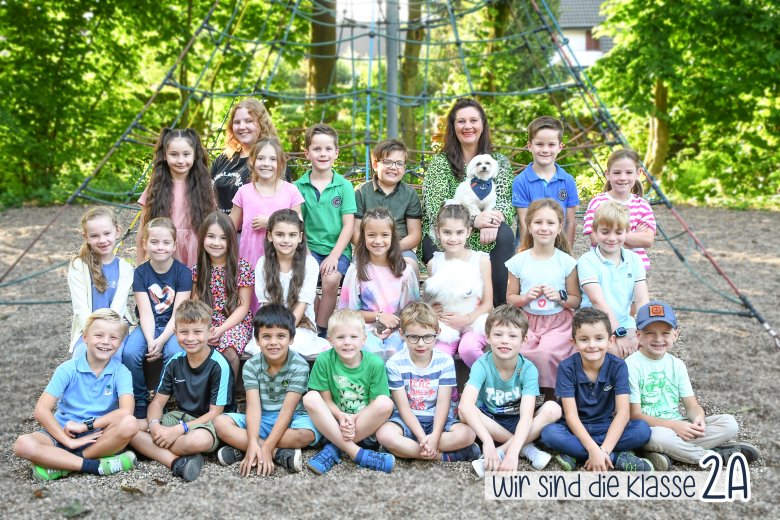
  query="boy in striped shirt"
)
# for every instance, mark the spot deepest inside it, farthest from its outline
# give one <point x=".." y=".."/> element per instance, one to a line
<point x="276" y="426"/>
<point x="421" y="379"/>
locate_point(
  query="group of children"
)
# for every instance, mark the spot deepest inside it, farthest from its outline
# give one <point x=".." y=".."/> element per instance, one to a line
<point x="383" y="383"/>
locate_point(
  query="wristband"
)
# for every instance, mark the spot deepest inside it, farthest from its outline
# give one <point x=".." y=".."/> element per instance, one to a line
<point x="621" y="332"/>
<point x="153" y="421"/>
<point x="378" y="314"/>
<point x="184" y="426"/>
<point x="563" y="294"/>
<point x="90" y="424"/>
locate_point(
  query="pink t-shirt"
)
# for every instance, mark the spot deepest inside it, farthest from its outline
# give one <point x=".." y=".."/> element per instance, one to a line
<point x="639" y="211"/>
<point x="252" y="204"/>
<point x="186" y="237"/>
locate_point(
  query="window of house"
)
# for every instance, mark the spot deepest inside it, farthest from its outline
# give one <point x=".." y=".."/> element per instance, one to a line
<point x="591" y="43"/>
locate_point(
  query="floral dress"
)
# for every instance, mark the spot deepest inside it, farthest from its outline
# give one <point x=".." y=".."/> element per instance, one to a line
<point x="238" y="336"/>
<point x="439" y="185"/>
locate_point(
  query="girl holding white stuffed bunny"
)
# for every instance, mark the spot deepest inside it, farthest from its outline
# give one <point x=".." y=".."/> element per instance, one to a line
<point x="453" y="228"/>
<point x="379" y="283"/>
<point x="543" y="281"/>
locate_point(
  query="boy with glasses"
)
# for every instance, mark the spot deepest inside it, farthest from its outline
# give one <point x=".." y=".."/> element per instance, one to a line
<point x="388" y="190"/>
<point x="421" y="379"/>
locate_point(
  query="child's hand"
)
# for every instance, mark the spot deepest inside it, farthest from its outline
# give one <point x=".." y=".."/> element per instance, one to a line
<point x="259" y="222"/>
<point x="456" y="321"/>
<point x="329" y="265"/>
<point x="492" y="460"/>
<point x="438" y="309"/>
<point x="347" y="427"/>
<point x="533" y="293"/>
<point x="165" y="436"/>
<point x="251" y="460"/>
<point x="701" y="423"/>
<point x="510" y="462"/>
<point x="598" y="460"/>
<point x="73" y="428"/>
<point x="687" y="431"/>
<point x="429" y="447"/>
<point x="389" y="320"/>
<point x="551" y="293"/>
<point x="155" y="350"/>
<point x="73" y="443"/>
<point x="214" y="334"/>
<point x="266" y="466"/>
<point x="383" y="334"/>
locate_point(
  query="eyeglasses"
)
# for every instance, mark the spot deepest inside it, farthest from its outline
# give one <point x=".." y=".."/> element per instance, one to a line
<point x="414" y="338"/>
<point x="389" y="164"/>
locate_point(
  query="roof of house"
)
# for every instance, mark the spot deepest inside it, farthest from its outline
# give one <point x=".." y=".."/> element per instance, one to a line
<point x="573" y="14"/>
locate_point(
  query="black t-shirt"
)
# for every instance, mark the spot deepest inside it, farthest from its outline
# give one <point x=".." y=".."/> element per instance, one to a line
<point x="195" y="389"/>
<point x="228" y="175"/>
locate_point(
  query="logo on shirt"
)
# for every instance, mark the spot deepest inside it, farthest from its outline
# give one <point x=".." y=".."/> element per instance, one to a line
<point x="178" y="380"/>
<point x="108" y="390"/>
<point x="336" y="202"/>
<point x="607" y="388"/>
<point x="562" y="194"/>
<point x="285" y="384"/>
<point x="162" y="297"/>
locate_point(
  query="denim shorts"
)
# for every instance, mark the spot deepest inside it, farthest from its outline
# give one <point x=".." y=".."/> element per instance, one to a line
<point x="342" y="266"/>
<point x="425" y="422"/>
<point x="507" y="422"/>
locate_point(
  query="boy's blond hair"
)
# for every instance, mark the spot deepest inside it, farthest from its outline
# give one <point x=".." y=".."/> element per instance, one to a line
<point x="542" y="123"/>
<point x="346" y="317"/>
<point x="506" y="315"/>
<point x="193" y="311"/>
<point x="319" y="128"/>
<point x="419" y="313"/>
<point x="612" y="215"/>
<point x="106" y="315"/>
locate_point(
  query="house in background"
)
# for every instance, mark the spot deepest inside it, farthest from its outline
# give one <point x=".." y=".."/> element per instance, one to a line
<point x="577" y="19"/>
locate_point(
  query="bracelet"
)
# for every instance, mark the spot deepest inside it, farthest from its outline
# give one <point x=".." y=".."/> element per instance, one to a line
<point x="378" y="314"/>
<point x="153" y="421"/>
<point x="184" y="426"/>
<point x="605" y="451"/>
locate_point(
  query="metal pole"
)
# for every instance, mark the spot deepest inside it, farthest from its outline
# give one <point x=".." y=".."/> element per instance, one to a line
<point x="392" y="51"/>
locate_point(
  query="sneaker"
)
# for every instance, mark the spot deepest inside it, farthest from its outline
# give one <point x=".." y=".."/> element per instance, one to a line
<point x="125" y="461"/>
<point x="538" y="458"/>
<point x="228" y="455"/>
<point x="374" y="460"/>
<point x="187" y="467"/>
<point x="323" y="461"/>
<point x="479" y="464"/>
<point x="41" y="473"/>
<point x="726" y="450"/>
<point x="627" y="461"/>
<point x="291" y="460"/>
<point x="467" y="454"/>
<point x="567" y="462"/>
<point x="660" y="461"/>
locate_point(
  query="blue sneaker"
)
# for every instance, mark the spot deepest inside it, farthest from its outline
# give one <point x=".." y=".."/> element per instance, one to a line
<point x="374" y="460"/>
<point x="322" y="462"/>
<point x="466" y="454"/>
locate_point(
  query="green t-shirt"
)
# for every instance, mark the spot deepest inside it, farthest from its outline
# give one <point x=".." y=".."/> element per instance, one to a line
<point x="322" y="214"/>
<point x="352" y="389"/>
<point x="292" y="377"/>
<point x="658" y="385"/>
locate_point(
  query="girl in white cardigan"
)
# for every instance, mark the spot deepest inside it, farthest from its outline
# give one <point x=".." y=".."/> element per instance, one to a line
<point x="97" y="278"/>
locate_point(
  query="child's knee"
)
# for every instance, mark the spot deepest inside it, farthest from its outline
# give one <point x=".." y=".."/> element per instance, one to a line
<point x="549" y="412"/>
<point x="729" y="425"/>
<point x="383" y="404"/>
<point x="25" y="447"/>
<point x="312" y="400"/>
<point x="388" y="435"/>
<point x="331" y="282"/>
<point x="127" y="427"/>
<point x="223" y="423"/>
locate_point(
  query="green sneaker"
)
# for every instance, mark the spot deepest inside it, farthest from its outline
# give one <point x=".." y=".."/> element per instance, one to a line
<point x="567" y="462"/>
<point x="125" y="461"/>
<point x="41" y="473"/>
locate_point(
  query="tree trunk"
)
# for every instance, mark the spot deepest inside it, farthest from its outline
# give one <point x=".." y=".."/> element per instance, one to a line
<point x="658" y="139"/>
<point x="498" y="16"/>
<point x="409" y="71"/>
<point x="184" y="121"/>
<point x="323" y="57"/>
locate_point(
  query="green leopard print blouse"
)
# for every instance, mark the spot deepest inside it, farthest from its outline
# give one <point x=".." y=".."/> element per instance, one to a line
<point x="439" y="185"/>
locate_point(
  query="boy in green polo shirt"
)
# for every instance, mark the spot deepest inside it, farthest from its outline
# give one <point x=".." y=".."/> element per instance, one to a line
<point x="328" y="214"/>
<point x="387" y="189"/>
<point x="275" y="426"/>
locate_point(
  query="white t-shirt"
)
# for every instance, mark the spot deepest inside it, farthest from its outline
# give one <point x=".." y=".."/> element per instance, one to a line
<point x="551" y="272"/>
<point x="308" y="289"/>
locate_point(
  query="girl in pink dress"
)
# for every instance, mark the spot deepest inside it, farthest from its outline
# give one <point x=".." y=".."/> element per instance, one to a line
<point x="254" y="202"/>
<point x="180" y="189"/>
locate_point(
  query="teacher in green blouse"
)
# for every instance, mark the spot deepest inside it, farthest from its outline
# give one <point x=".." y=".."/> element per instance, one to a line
<point x="468" y="135"/>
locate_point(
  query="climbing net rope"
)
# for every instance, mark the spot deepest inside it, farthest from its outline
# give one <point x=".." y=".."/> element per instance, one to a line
<point x="517" y="65"/>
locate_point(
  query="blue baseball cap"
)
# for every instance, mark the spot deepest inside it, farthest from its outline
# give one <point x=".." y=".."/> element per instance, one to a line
<point x="653" y="311"/>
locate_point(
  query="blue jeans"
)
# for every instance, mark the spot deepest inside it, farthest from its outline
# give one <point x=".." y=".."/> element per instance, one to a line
<point x="558" y="437"/>
<point x="133" y="356"/>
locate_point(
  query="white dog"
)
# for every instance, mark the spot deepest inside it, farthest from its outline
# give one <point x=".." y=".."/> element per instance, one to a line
<point x="457" y="287"/>
<point x="478" y="191"/>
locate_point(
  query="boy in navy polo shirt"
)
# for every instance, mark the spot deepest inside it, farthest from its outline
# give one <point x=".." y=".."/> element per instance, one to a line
<point x="329" y="216"/>
<point x="544" y="178"/>
<point x="201" y="381"/>
<point x="593" y="387"/>
<point x="93" y="394"/>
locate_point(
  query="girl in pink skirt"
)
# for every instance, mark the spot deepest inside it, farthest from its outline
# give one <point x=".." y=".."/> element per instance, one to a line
<point x="543" y="281"/>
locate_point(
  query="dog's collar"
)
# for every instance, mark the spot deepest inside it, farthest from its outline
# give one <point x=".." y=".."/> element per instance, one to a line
<point x="481" y="188"/>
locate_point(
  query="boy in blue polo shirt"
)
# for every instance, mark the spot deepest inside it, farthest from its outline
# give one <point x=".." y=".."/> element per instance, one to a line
<point x="544" y="178"/>
<point x="613" y="277"/>
<point x="593" y="388"/>
<point x="94" y="420"/>
<point x="201" y="381"/>
<point x="328" y="214"/>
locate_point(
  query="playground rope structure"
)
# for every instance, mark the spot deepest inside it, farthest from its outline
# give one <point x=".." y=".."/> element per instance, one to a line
<point x="532" y="31"/>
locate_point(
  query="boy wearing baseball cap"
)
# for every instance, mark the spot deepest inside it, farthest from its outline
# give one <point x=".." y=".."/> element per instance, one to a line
<point x="658" y="382"/>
